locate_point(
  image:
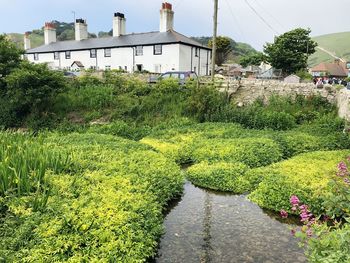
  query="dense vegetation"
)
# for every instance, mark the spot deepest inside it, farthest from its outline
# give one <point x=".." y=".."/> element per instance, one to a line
<point x="98" y="162"/>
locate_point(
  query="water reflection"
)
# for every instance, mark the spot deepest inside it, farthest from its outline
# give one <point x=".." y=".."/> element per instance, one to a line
<point x="209" y="227"/>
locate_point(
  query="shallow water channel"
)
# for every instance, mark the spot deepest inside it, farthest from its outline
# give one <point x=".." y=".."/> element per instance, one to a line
<point x="206" y="226"/>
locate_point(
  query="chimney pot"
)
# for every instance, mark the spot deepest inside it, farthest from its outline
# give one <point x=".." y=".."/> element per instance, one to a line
<point x="166" y="17"/>
<point x="119" y="22"/>
<point x="49" y="33"/>
<point x="81" y="31"/>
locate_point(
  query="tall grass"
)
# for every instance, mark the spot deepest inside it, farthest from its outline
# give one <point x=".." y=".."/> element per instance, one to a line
<point x="24" y="160"/>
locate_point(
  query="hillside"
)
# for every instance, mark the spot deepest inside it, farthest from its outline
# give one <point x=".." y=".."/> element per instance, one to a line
<point x="238" y="49"/>
<point x="337" y="44"/>
<point x="65" y="31"/>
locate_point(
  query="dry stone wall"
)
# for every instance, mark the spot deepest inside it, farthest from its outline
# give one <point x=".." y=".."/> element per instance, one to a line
<point x="245" y="92"/>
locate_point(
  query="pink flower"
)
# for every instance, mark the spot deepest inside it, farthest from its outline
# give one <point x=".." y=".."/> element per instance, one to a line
<point x="293" y="231"/>
<point x="294" y="200"/>
<point x="284" y="214"/>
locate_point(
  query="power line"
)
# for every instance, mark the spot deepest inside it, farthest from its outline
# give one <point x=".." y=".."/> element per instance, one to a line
<point x="262" y="19"/>
<point x="267" y="12"/>
<point x="236" y="21"/>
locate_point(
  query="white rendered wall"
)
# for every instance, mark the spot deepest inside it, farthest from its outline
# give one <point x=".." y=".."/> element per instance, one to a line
<point x="167" y="61"/>
<point x="190" y="62"/>
<point x="174" y="57"/>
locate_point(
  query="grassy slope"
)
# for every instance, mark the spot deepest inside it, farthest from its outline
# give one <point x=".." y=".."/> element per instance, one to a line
<point x="337" y="43"/>
<point x="36" y="40"/>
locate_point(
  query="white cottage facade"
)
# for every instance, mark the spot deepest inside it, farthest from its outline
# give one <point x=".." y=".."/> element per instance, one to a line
<point x="158" y="52"/>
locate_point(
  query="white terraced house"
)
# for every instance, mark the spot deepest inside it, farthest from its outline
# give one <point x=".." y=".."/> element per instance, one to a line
<point x="159" y="52"/>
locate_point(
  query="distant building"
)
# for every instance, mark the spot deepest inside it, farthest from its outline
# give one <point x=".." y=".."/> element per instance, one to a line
<point x="157" y="52"/>
<point x="335" y="69"/>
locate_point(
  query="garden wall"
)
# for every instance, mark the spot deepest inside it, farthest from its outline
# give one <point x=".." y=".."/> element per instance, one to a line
<point x="247" y="91"/>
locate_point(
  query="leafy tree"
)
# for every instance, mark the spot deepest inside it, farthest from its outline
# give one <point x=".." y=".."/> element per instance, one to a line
<point x="224" y="46"/>
<point x="254" y="59"/>
<point x="31" y="89"/>
<point x="10" y="57"/>
<point x="290" y="51"/>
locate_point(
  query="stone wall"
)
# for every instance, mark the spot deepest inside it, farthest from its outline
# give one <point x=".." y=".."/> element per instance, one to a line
<point x="245" y="92"/>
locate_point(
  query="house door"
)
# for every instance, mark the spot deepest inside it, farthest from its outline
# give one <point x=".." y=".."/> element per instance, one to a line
<point x="139" y="67"/>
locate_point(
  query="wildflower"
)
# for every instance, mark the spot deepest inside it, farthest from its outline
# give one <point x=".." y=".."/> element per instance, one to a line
<point x="347" y="181"/>
<point x="293" y="231"/>
<point x="284" y="214"/>
<point x="294" y="200"/>
<point x="309" y="232"/>
<point x="342" y="169"/>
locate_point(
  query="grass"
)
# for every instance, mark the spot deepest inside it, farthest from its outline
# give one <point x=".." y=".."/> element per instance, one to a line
<point x="336" y="43"/>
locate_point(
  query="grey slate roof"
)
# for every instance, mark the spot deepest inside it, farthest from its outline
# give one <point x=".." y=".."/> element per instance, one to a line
<point x="129" y="40"/>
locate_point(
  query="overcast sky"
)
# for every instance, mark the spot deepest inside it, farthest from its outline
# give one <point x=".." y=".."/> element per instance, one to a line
<point x="251" y="21"/>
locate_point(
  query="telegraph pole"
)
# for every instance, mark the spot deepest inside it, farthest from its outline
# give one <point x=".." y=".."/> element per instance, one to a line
<point x="213" y="57"/>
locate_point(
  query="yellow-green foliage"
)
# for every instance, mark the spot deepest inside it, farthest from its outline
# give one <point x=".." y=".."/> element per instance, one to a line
<point x="306" y="175"/>
<point x="108" y="209"/>
<point x="253" y="152"/>
<point x="219" y="176"/>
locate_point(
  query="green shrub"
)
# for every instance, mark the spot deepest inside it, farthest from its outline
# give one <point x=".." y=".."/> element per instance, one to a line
<point x="122" y="129"/>
<point x="253" y="152"/>
<point x="333" y="246"/>
<point x="219" y="176"/>
<point x="109" y="209"/>
<point x="306" y="175"/>
<point x="31" y="89"/>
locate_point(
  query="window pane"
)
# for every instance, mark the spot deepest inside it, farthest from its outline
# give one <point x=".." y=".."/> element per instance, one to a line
<point x="182" y="76"/>
<point x="107" y="52"/>
<point x="158" y="49"/>
<point x="139" y="50"/>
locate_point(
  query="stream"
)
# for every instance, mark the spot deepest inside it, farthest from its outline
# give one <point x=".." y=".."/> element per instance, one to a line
<point x="206" y="226"/>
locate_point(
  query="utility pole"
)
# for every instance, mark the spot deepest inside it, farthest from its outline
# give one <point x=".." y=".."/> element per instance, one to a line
<point x="213" y="57"/>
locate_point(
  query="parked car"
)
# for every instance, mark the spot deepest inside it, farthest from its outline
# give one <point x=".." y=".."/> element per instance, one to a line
<point x="181" y="76"/>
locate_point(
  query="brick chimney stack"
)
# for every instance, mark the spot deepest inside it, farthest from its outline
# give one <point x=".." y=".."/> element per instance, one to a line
<point x="81" y="31"/>
<point x="49" y="33"/>
<point x="119" y="24"/>
<point x="26" y="41"/>
<point x="166" y="18"/>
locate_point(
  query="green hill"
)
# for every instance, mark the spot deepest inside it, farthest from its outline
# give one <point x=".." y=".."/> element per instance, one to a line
<point x="337" y="44"/>
<point x="65" y="31"/>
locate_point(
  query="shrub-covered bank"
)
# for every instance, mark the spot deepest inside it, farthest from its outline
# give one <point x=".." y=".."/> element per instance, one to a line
<point x="105" y="206"/>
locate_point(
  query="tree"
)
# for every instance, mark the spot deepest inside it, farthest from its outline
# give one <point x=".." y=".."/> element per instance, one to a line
<point x="224" y="46"/>
<point x="10" y="57"/>
<point x="31" y="89"/>
<point x="290" y="51"/>
<point x="254" y="59"/>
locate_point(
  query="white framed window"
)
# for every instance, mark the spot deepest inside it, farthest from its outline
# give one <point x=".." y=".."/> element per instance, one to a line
<point x="36" y="56"/>
<point x="157" y="49"/>
<point x="56" y="55"/>
<point x="139" y="51"/>
<point x="67" y="54"/>
<point x="92" y="53"/>
<point x="108" y="67"/>
<point x="196" y="51"/>
<point x="107" y="52"/>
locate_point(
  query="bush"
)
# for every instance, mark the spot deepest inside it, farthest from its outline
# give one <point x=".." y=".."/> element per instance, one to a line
<point x="306" y="175"/>
<point x="31" y="89"/>
<point x="219" y="176"/>
<point x="109" y="208"/>
<point x="253" y="152"/>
